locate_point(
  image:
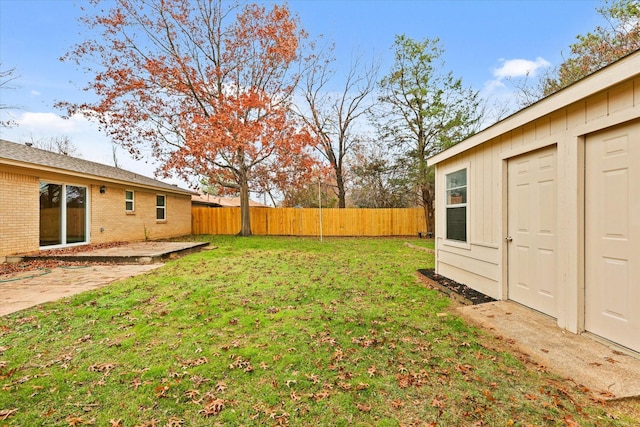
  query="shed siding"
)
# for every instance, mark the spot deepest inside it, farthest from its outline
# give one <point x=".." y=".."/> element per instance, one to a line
<point x="480" y="265"/>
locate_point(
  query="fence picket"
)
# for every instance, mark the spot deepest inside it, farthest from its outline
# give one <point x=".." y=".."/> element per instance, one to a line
<point x="306" y="221"/>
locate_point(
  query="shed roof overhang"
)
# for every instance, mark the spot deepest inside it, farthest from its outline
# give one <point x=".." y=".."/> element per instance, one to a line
<point x="624" y="69"/>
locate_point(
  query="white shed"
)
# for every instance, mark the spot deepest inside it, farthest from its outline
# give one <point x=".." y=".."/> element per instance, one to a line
<point x="543" y="208"/>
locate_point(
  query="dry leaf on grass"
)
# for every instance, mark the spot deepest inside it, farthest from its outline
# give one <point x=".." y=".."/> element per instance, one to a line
<point x="7" y="413"/>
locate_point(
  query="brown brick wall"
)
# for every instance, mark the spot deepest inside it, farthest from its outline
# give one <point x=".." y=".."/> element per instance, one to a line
<point x="109" y="222"/>
<point x="19" y="213"/>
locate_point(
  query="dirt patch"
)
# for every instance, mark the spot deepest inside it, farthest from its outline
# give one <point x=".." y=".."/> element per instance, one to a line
<point x="455" y="290"/>
<point x="79" y="248"/>
<point x="12" y="269"/>
<point x="420" y="248"/>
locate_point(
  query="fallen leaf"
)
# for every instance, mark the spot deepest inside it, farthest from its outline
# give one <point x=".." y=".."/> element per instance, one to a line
<point x="212" y="408"/>
<point x="569" y="421"/>
<point x="364" y="407"/>
<point x="175" y="422"/>
<point x="161" y="390"/>
<point x="438" y="403"/>
<point x="192" y="395"/>
<point x="488" y="395"/>
<point x="397" y="404"/>
<point x="607" y="393"/>
<point x="7" y="413"/>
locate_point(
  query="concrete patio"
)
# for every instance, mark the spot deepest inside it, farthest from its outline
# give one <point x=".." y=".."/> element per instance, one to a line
<point x="608" y="371"/>
<point x="130" y="253"/>
<point x="100" y="267"/>
<point x="34" y="287"/>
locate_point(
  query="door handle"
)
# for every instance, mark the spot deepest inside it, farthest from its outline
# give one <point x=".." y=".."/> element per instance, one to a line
<point x="508" y="239"/>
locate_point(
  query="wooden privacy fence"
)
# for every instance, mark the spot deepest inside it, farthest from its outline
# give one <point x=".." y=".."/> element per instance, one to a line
<point x="306" y="221"/>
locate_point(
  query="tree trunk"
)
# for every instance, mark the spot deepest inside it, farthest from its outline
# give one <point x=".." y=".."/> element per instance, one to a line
<point x="341" y="192"/>
<point x="429" y="212"/>
<point x="245" y="229"/>
<point x="429" y="209"/>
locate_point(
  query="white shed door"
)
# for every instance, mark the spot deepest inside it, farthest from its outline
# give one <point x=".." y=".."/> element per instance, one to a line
<point x="612" y="235"/>
<point x="532" y="229"/>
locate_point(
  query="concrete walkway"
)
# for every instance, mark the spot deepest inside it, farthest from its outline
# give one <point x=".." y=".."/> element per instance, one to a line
<point x="30" y="288"/>
<point x="607" y="371"/>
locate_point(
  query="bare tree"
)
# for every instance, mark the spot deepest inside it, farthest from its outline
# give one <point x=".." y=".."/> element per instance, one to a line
<point x="56" y="144"/>
<point x="380" y="180"/>
<point x="591" y="52"/>
<point x="7" y="75"/>
<point x="114" y="154"/>
<point x="333" y="115"/>
<point x="600" y="47"/>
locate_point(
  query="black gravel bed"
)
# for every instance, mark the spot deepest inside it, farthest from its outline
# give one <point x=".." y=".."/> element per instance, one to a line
<point x="469" y="295"/>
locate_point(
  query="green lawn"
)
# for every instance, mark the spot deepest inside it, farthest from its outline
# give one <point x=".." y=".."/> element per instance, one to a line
<point x="276" y="331"/>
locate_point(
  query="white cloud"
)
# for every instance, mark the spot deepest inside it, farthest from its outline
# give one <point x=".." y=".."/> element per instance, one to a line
<point x="35" y="93"/>
<point x="519" y="68"/>
<point x="504" y="94"/>
<point x="493" y="85"/>
<point x="84" y="134"/>
<point x="47" y="123"/>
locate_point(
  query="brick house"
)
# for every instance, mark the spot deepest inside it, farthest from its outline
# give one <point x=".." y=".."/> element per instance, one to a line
<point x="48" y="200"/>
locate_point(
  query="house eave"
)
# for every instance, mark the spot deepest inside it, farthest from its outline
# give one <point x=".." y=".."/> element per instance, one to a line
<point x="93" y="177"/>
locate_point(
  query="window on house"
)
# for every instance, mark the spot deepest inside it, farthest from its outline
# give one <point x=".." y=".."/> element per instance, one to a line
<point x="161" y="207"/>
<point x="456" y="205"/>
<point x="128" y="201"/>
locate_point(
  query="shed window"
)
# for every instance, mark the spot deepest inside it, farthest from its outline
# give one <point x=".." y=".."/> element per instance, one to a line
<point x="128" y="201"/>
<point x="456" y="205"/>
<point x="161" y="207"/>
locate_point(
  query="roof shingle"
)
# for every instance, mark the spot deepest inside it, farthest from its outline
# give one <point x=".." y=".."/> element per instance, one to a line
<point x="12" y="151"/>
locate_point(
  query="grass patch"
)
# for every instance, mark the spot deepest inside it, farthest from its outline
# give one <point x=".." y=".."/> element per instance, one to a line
<point x="274" y="331"/>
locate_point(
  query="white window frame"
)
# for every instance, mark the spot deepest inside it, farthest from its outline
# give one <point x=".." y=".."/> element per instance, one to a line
<point x="161" y="207"/>
<point x="63" y="214"/>
<point x="451" y="242"/>
<point x="132" y="200"/>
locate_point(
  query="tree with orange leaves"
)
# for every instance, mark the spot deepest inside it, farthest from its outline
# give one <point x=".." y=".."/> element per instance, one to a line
<point x="210" y="98"/>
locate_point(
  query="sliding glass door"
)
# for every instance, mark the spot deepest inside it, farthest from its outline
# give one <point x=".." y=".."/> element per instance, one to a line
<point x="63" y="214"/>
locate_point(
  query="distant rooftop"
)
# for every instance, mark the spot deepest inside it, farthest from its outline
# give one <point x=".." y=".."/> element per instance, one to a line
<point x="225" y="202"/>
<point x="13" y="153"/>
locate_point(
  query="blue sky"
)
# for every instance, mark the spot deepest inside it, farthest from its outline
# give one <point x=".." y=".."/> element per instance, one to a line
<point x="485" y="43"/>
